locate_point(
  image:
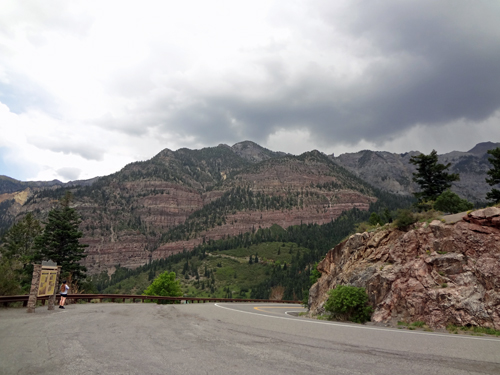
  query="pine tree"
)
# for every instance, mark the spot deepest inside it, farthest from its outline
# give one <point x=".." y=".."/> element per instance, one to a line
<point x="59" y="241"/>
<point x="431" y="176"/>
<point x="18" y="242"/>
<point x="494" y="174"/>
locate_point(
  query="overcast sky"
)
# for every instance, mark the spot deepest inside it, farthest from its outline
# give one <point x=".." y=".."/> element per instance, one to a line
<point x="89" y="86"/>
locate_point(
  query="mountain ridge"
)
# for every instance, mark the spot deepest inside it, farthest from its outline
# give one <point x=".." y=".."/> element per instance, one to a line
<point x="179" y="199"/>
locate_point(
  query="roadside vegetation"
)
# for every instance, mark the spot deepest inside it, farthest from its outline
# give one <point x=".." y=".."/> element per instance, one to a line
<point x="348" y="303"/>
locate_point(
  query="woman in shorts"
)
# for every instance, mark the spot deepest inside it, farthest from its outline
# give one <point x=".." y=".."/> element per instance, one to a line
<point x="64" y="294"/>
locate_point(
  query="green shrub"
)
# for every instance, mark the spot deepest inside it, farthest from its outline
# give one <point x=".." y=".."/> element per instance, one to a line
<point x="405" y="218"/>
<point x="348" y="303"/>
<point x="374" y="219"/>
<point x="450" y="202"/>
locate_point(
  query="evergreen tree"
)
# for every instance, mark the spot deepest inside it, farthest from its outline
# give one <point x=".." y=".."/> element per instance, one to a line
<point x="18" y="241"/>
<point x="374" y="219"/>
<point x="59" y="241"/>
<point x="17" y="252"/>
<point x="431" y="176"/>
<point x="494" y="174"/>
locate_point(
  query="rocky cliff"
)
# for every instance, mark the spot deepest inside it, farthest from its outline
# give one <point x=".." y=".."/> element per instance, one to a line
<point x="437" y="273"/>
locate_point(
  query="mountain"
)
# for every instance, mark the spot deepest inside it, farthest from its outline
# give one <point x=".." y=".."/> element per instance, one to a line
<point x="15" y="193"/>
<point x="393" y="172"/>
<point x="253" y="152"/>
<point x="11" y="185"/>
<point x="180" y="199"/>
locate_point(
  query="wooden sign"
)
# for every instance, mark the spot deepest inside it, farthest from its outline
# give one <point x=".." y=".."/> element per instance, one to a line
<point x="47" y="281"/>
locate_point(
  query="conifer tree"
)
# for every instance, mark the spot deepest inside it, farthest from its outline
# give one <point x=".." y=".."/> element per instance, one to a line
<point x="431" y="176"/>
<point x="18" y="241"/>
<point x="494" y="174"/>
<point x="59" y="241"/>
<point x="17" y="251"/>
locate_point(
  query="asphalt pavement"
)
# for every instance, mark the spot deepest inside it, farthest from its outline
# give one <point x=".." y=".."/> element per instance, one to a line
<point x="227" y="338"/>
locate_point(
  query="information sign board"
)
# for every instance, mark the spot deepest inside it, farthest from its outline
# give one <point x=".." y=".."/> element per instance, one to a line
<point x="47" y="281"/>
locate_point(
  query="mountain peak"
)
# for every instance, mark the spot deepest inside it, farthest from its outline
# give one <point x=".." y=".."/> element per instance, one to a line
<point x="253" y="152"/>
<point x="481" y="148"/>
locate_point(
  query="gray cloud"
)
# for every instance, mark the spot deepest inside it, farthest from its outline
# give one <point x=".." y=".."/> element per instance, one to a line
<point x="432" y="64"/>
<point x="68" y="146"/>
<point x="69" y="174"/>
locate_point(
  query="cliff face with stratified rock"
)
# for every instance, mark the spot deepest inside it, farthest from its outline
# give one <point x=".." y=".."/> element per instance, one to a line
<point x="178" y="199"/>
<point x="437" y="273"/>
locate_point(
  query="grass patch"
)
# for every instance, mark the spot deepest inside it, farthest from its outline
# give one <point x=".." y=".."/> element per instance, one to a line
<point x="418" y="324"/>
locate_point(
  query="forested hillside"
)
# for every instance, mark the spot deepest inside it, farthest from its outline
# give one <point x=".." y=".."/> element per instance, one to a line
<point x="266" y="263"/>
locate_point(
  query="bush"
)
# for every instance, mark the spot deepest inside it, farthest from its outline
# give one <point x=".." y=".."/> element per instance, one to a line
<point x="374" y="219"/>
<point x="450" y="202"/>
<point x="164" y="285"/>
<point x="405" y="218"/>
<point x="348" y="303"/>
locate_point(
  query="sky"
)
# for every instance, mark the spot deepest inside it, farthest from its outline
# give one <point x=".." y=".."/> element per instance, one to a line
<point x="87" y="87"/>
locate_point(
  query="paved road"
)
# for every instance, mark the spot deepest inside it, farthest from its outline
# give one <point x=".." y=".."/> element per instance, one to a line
<point x="224" y="339"/>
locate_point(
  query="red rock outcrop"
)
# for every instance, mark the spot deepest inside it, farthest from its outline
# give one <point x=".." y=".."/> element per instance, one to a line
<point x="489" y="217"/>
<point x="436" y="273"/>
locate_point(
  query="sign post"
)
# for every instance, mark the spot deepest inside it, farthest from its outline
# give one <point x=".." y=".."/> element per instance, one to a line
<point x="44" y="281"/>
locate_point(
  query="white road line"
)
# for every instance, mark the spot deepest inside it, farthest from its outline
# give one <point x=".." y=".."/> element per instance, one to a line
<point x="364" y="327"/>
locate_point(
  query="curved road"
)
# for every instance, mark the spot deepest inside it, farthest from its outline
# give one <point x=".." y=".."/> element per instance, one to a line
<point x="225" y="339"/>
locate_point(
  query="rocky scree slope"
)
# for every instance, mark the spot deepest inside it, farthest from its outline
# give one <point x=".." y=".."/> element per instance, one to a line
<point x="437" y="273"/>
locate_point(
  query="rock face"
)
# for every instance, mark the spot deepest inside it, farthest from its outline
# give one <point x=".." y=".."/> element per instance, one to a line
<point x="436" y="273"/>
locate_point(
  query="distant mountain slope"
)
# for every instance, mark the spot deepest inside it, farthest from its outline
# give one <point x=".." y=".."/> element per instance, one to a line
<point x="393" y="172"/>
<point x="11" y="185"/>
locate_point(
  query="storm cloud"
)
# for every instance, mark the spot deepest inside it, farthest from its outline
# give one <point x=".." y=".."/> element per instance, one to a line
<point x="109" y="83"/>
<point x="423" y="63"/>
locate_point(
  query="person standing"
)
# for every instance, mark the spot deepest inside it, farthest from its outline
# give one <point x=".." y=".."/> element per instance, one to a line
<point x="64" y="294"/>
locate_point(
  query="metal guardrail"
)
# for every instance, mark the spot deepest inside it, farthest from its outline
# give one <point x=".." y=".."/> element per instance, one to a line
<point x="6" y="300"/>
